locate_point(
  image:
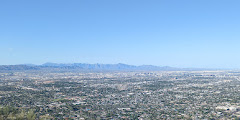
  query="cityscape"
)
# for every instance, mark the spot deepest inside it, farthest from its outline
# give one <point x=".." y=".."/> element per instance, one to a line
<point x="76" y="95"/>
<point x="119" y="60"/>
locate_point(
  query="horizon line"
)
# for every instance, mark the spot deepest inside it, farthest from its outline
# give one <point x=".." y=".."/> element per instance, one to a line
<point x="212" y="68"/>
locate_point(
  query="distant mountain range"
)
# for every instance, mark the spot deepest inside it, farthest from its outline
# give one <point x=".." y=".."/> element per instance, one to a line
<point x="92" y="67"/>
<point x="118" y="66"/>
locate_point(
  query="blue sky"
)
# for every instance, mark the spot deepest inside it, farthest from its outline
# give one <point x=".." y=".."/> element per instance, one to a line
<point x="178" y="33"/>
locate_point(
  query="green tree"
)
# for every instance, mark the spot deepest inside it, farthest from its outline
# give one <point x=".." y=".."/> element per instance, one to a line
<point x="31" y="115"/>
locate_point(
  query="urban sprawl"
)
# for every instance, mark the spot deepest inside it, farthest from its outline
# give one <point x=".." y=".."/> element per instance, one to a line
<point x="119" y="95"/>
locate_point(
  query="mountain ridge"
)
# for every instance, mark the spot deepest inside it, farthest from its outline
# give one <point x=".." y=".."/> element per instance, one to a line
<point x="93" y="67"/>
<point x="83" y="66"/>
<point x="119" y="66"/>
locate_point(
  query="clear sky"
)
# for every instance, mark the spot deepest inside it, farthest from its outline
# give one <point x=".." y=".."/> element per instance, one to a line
<point x="178" y="33"/>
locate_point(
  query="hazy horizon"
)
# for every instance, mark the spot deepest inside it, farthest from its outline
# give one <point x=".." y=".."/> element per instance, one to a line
<point x="207" y="68"/>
